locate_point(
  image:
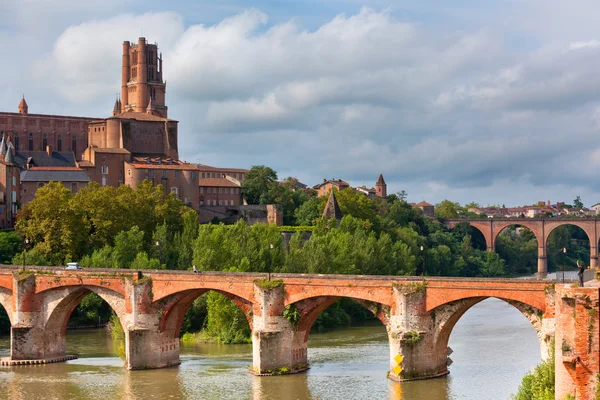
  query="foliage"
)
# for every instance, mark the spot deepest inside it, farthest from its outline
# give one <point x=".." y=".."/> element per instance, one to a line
<point x="34" y="256"/>
<point x="226" y="322"/>
<point x="447" y="209"/>
<point x="538" y="384"/>
<point x="411" y="338"/>
<point x="127" y="245"/>
<point x="63" y="226"/>
<point x="268" y="284"/>
<point x="291" y="313"/>
<point x="10" y="245"/>
<point x="90" y="311"/>
<point x="241" y="248"/>
<point x="577" y="203"/>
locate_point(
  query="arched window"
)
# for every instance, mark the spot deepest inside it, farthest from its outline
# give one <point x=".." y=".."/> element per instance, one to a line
<point x="74" y="144"/>
<point x="59" y="144"/>
<point x="30" y="141"/>
<point x="44" y="142"/>
<point x="17" y="141"/>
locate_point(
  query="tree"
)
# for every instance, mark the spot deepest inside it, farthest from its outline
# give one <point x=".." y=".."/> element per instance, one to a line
<point x="260" y="185"/>
<point x="51" y="223"/>
<point x="447" y="209"/>
<point x="10" y="244"/>
<point x="402" y="195"/>
<point x="127" y="246"/>
<point x="577" y="203"/>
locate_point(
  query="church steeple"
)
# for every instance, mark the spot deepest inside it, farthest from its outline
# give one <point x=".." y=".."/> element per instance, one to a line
<point x="23" y="108"/>
<point x="332" y="208"/>
<point x="117" y="107"/>
<point x="381" y="187"/>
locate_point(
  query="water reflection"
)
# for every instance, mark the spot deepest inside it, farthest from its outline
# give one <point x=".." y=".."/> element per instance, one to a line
<point x="292" y="387"/>
<point x="494" y="345"/>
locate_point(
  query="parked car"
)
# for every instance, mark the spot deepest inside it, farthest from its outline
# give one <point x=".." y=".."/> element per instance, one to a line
<point x="73" y="266"/>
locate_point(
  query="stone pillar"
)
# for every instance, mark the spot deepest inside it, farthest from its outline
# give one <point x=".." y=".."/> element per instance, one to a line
<point x="542" y="260"/>
<point x="413" y="337"/>
<point x="277" y="345"/>
<point x="577" y="348"/>
<point x="147" y="344"/>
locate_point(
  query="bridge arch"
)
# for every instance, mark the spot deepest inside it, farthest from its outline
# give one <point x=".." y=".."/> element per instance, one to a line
<point x="490" y="228"/>
<point x="62" y="301"/>
<point x="175" y="306"/>
<point x="446" y="316"/>
<point x="6" y="303"/>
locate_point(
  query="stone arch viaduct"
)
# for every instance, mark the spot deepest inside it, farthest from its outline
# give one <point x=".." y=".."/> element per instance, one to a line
<point x="419" y="315"/>
<point x="541" y="228"/>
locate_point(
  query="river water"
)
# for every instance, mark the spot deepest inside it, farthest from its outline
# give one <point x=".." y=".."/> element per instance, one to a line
<point x="494" y="346"/>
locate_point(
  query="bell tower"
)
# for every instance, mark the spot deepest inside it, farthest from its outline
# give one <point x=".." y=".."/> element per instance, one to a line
<point x="142" y="78"/>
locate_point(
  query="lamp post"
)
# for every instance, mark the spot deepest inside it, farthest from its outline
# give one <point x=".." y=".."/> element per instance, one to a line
<point x="270" y="260"/>
<point x="563" y="265"/>
<point x="424" y="270"/>
<point x="159" y="252"/>
<point x="25" y="251"/>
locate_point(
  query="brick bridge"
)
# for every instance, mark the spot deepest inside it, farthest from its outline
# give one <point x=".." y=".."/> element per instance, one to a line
<point x="541" y="228"/>
<point x="419" y="315"/>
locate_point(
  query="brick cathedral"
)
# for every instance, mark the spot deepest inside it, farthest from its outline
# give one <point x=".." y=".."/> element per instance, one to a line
<point x="137" y="142"/>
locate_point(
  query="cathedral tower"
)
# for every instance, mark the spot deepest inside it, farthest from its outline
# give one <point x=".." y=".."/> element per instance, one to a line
<point x="381" y="187"/>
<point x="142" y="79"/>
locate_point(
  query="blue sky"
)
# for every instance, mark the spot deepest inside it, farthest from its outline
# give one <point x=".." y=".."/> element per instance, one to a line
<point x="495" y="103"/>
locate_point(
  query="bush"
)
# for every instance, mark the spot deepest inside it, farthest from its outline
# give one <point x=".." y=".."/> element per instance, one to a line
<point x="538" y="384"/>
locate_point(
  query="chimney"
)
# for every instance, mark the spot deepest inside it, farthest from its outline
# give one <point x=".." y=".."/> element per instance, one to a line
<point x="548" y="203"/>
<point x="49" y="151"/>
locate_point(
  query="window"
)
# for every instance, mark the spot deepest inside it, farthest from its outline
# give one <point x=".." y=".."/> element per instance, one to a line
<point x="128" y="172"/>
<point x="174" y="190"/>
<point x="193" y="174"/>
<point x="44" y="142"/>
<point x="201" y="189"/>
<point x="220" y="202"/>
<point x="30" y="141"/>
<point x="176" y="174"/>
<point x="74" y="144"/>
<point x="59" y="144"/>
<point x="14" y="179"/>
<point x="164" y="174"/>
<point x="40" y="184"/>
<point x="201" y="202"/>
<point x="17" y="147"/>
<point x="73" y="187"/>
<point x="103" y="180"/>
<point x="105" y="170"/>
<point x="151" y="174"/>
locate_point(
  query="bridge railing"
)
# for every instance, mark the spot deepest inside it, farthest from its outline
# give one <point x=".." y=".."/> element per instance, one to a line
<point x="571" y="276"/>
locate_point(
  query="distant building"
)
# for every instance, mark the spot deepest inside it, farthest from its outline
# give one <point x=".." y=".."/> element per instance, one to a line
<point x="327" y="185"/>
<point x="381" y="187"/>
<point x="220" y="192"/>
<point x="428" y="209"/>
<point x="9" y="186"/>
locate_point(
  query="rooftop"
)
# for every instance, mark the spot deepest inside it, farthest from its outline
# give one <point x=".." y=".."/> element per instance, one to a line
<point x="54" y="175"/>
<point x="217" y="182"/>
<point x="43" y="159"/>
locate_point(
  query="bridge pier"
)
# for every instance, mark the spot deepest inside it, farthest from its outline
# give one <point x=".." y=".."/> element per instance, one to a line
<point x="412" y="334"/>
<point x="278" y="346"/>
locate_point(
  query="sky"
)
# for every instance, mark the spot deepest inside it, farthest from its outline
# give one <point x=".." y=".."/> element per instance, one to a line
<point x="494" y="103"/>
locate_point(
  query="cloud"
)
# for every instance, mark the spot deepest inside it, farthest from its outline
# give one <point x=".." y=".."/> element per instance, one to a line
<point x="439" y="111"/>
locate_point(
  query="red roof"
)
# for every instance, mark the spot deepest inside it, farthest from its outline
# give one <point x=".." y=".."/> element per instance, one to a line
<point x="424" y="204"/>
<point x="186" y="167"/>
<point x="218" y="169"/>
<point x="217" y="182"/>
<point x="55" y="169"/>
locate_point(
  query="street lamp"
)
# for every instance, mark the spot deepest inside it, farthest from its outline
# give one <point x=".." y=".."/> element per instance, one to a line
<point x="563" y="265"/>
<point x="157" y="243"/>
<point x="424" y="270"/>
<point x="24" y="251"/>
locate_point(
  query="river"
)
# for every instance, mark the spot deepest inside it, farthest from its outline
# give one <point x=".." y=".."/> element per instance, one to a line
<point x="494" y="346"/>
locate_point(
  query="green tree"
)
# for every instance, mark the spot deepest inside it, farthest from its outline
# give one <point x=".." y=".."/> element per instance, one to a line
<point x="309" y="211"/>
<point x="127" y="246"/>
<point x="538" y="384"/>
<point x="447" y="209"/>
<point x="577" y="203"/>
<point x="10" y="244"/>
<point x="260" y="185"/>
<point x="52" y="225"/>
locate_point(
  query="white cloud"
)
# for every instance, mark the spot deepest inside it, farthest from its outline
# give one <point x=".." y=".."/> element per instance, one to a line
<point x="442" y="112"/>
